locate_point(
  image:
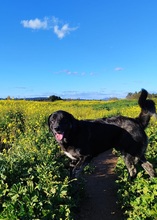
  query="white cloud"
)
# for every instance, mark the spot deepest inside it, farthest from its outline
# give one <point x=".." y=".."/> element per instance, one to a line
<point x="119" y="69"/>
<point x="35" y="24"/>
<point x="75" y="73"/>
<point x="68" y="72"/>
<point x="61" y="29"/>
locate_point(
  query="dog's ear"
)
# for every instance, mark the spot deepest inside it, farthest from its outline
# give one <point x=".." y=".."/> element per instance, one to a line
<point x="74" y="123"/>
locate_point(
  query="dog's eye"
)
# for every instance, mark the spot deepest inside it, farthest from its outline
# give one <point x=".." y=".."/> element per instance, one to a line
<point x="54" y="117"/>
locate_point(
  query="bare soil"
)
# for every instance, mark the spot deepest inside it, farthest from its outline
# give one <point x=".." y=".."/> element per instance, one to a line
<point x="101" y="200"/>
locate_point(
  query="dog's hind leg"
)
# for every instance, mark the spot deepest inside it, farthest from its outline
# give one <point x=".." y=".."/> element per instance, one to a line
<point x="130" y="162"/>
<point x="147" y="166"/>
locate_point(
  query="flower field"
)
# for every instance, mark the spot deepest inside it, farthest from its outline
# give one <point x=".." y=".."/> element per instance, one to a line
<point x="34" y="182"/>
<point x="138" y="198"/>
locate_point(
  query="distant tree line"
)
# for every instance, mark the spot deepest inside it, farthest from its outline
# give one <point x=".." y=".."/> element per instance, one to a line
<point x="136" y="95"/>
<point x="51" y="98"/>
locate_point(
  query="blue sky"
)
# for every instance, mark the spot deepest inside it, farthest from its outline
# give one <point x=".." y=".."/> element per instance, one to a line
<point x="77" y="49"/>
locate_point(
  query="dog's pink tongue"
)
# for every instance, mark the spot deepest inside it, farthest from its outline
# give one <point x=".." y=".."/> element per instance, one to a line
<point x="59" y="137"/>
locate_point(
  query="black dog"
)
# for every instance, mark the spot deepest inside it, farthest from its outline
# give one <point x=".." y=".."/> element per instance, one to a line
<point x="81" y="140"/>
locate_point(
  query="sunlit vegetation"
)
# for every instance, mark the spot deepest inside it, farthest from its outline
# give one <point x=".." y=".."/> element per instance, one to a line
<point x="34" y="181"/>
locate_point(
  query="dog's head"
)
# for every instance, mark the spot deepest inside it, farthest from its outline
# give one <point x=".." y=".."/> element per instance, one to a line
<point x="61" y="123"/>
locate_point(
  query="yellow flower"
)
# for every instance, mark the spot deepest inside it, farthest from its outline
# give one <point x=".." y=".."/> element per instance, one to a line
<point x="9" y="125"/>
<point x="49" y="152"/>
<point x="4" y="140"/>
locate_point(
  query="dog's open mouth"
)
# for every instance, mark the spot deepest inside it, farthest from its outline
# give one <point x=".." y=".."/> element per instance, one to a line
<point x="59" y="136"/>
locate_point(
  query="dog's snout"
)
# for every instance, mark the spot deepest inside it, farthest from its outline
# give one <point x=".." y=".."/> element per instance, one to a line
<point x="57" y="128"/>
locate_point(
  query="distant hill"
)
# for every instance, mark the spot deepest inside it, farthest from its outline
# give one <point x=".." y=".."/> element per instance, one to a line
<point x="52" y="98"/>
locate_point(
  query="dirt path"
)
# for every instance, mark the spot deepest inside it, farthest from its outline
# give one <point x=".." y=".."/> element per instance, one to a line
<point x="100" y="203"/>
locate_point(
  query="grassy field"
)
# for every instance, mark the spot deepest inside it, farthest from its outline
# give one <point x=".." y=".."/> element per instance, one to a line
<point x="34" y="182"/>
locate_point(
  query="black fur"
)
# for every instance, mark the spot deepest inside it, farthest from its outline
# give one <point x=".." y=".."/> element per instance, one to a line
<point x="81" y="140"/>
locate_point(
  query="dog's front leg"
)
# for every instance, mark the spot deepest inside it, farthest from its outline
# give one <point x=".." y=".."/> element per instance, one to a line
<point x="72" y="166"/>
<point x="79" y="166"/>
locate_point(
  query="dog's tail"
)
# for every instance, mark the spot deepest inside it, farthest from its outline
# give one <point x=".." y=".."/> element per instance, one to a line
<point x="147" y="109"/>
